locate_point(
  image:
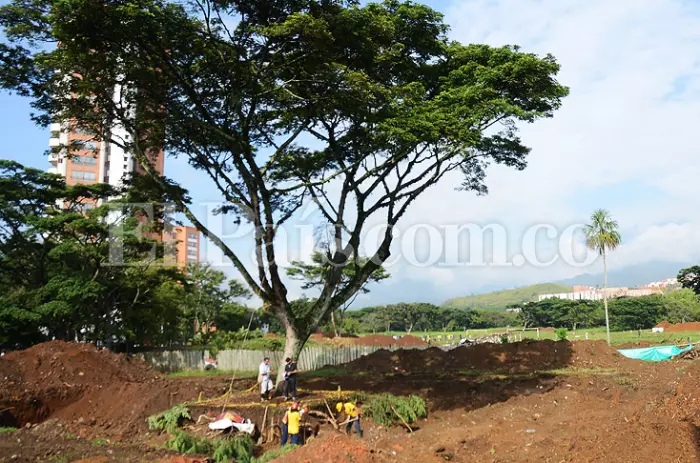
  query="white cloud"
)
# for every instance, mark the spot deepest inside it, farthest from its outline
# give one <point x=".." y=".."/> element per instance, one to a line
<point x="630" y="119"/>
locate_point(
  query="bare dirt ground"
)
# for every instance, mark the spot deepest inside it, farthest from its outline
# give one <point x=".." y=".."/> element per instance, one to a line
<point x="520" y="402"/>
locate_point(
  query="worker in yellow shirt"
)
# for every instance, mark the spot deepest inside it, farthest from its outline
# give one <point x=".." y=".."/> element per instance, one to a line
<point x="352" y="411"/>
<point x="294" y="424"/>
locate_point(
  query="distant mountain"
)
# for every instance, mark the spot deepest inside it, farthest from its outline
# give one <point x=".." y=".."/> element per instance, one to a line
<point x="499" y="300"/>
<point x="635" y="275"/>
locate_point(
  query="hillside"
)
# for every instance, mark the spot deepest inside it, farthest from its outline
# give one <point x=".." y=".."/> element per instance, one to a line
<point x="499" y="300"/>
<point x="633" y="275"/>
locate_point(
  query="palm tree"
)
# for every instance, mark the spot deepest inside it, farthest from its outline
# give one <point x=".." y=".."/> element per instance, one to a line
<point x="602" y="235"/>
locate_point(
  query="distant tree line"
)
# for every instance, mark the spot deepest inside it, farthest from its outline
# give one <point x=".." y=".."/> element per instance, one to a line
<point x="626" y="313"/>
<point x="421" y="316"/>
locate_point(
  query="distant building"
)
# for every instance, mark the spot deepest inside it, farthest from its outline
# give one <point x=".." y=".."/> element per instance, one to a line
<point x="95" y="161"/>
<point x="667" y="283"/>
<point x="183" y="246"/>
<point x="587" y="293"/>
<point x="105" y="162"/>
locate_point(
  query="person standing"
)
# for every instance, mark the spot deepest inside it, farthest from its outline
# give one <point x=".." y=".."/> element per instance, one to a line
<point x="265" y="380"/>
<point x="285" y="428"/>
<point x="290" y="379"/>
<point x="294" y="424"/>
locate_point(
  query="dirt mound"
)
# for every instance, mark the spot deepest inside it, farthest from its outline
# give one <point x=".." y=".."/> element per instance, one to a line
<point x="36" y="382"/>
<point x="331" y="447"/>
<point x="386" y="341"/>
<point x="525" y="356"/>
<point x="81" y="385"/>
<point x="681" y="327"/>
<point x="56" y="363"/>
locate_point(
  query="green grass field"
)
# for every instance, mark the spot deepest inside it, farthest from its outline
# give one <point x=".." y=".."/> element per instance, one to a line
<point x="616" y="337"/>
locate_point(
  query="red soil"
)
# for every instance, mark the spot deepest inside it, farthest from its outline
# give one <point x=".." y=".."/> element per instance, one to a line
<point x="100" y="392"/>
<point x="330" y="448"/>
<point x="478" y="411"/>
<point x="525" y="356"/>
<point x="681" y="327"/>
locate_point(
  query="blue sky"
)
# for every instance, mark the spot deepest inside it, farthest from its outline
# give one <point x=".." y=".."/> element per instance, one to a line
<point x="624" y="140"/>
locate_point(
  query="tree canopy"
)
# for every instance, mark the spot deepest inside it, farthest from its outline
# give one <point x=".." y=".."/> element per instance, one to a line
<point x="358" y="108"/>
<point x="602" y="233"/>
<point x="58" y="279"/>
<point x="690" y="278"/>
<point x="55" y="277"/>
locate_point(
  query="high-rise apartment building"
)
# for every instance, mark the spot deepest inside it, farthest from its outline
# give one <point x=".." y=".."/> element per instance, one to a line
<point x="184" y="245"/>
<point x="104" y="162"/>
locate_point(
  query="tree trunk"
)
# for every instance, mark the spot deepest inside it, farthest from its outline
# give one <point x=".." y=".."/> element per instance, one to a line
<point x="294" y="342"/>
<point x="335" y="328"/>
<point x="605" y="296"/>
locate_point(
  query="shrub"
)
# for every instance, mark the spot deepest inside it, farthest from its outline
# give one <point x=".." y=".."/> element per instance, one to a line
<point x="504" y="339"/>
<point x="239" y="449"/>
<point x="182" y="442"/>
<point x="169" y="420"/>
<point x="411" y="408"/>
<point x="222" y="340"/>
<point x="562" y="334"/>
<point x="262" y="344"/>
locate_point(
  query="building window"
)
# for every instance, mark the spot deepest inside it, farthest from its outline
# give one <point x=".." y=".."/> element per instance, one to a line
<point x="84" y="207"/>
<point x="192" y="235"/>
<point x="79" y="130"/>
<point x="84" y="160"/>
<point x="88" y="145"/>
<point x="191" y="253"/>
<point x="82" y="175"/>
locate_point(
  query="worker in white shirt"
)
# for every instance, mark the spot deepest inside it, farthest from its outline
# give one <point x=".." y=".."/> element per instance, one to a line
<point x="264" y="380"/>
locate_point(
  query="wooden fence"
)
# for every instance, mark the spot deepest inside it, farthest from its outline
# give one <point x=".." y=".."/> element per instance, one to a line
<point x="312" y="358"/>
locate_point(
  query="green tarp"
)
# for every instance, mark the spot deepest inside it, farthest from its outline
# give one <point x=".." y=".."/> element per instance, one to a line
<point x="654" y="354"/>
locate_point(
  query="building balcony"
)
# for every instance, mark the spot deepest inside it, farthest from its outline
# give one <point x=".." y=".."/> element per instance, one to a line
<point x="53" y="158"/>
<point x="55" y="127"/>
<point x="54" y="142"/>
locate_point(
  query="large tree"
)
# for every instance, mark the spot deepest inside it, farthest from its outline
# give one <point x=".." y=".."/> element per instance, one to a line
<point x="602" y="235"/>
<point x="357" y="108"/>
<point x="682" y="305"/>
<point x="636" y="313"/>
<point x="690" y="278"/>
<point x="53" y="279"/>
